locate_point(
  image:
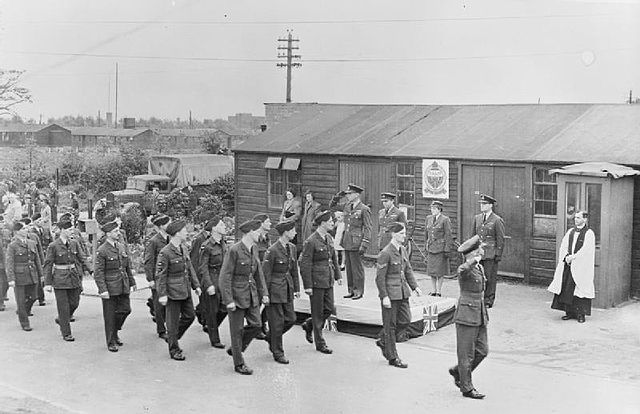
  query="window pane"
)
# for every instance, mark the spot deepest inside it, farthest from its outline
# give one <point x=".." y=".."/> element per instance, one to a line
<point x="538" y="175"/>
<point x="572" y="203"/>
<point x="276" y="188"/>
<point x="594" y="207"/>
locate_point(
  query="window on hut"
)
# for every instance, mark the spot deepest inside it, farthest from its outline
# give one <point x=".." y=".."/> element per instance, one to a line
<point x="545" y="193"/>
<point x="405" y="184"/>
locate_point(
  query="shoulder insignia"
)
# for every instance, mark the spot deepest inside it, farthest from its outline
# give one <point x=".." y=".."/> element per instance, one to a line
<point x="381" y="266"/>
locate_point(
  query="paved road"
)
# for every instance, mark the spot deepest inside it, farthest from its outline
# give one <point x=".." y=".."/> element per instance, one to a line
<point x="40" y="373"/>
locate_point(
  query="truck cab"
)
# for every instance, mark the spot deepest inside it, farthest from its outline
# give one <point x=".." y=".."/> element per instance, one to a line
<point x="139" y="190"/>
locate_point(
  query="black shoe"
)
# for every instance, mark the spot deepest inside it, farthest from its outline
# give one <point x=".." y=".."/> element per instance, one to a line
<point x="243" y="369"/>
<point x="567" y="317"/>
<point x="218" y="345"/>
<point x="488" y="305"/>
<point x="396" y="362"/>
<point x="42" y="303"/>
<point x="72" y="318"/>
<point x="439" y="295"/>
<point x="380" y="345"/>
<point x="178" y="356"/>
<point x="113" y="348"/>
<point x="27" y="328"/>
<point x="308" y="332"/>
<point x="581" y="319"/>
<point x="356" y="297"/>
<point x="2" y="308"/>
<point x="350" y="295"/>
<point x="456" y="376"/>
<point x="119" y="342"/>
<point x="163" y="335"/>
<point x="281" y="359"/>
<point x="205" y="328"/>
<point x="261" y="336"/>
<point x="473" y="394"/>
<point x="325" y="350"/>
<point x="69" y="338"/>
<point x="433" y="294"/>
<point x="229" y="352"/>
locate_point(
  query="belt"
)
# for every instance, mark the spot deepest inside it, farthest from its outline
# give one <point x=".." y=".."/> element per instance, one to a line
<point x="64" y="267"/>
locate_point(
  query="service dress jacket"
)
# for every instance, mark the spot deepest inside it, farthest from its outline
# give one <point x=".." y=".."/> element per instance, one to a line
<point x="241" y="277"/>
<point x="394" y="275"/>
<point x="280" y="269"/>
<point x="438" y="234"/>
<point x="357" y="226"/>
<point x="211" y="259"/>
<point x="113" y="270"/>
<point x="64" y="265"/>
<point x="23" y="264"/>
<point x="319" y="262"/>
<point x="151" y="252"/>
<point x="175" y="274"/>
<point x="386" y="217"/>
<point x="471" y="310"/>
<point x="311" y="209"/>
<point x="491" y="233"/>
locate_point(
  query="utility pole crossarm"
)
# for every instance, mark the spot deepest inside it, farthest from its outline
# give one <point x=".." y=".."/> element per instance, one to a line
<point x="289" y="56"/>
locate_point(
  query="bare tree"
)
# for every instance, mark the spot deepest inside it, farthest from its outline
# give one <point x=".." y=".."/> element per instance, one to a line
<point x="11" y="93"/>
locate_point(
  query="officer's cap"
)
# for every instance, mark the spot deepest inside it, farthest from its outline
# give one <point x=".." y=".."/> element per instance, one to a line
<point x="352" y="188"/>
<point x="285" y="226"/>
<point x="395" y="227"/>
<point x="260" y="217"/>
<point x="64" y="224"/>
<point x="175" y="227"/>
<point x="36" y="216"/>
<point x="26" y="220"/>
<point x="387" y="196"/>
<point x="250" y="225"/>
<point x="486" y="199"/>
<point x="212" y="222"/>
<point x="321" y="217"/>
<point x="107" y="227"/>
<point x="160" y="220"/>
<point x="17" y="226"/>
<point x="470" y="245"/>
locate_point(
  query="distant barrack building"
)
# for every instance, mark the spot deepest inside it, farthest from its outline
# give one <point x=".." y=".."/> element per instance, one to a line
<point x="451" y="153"/>
<point x="46" y="135"/>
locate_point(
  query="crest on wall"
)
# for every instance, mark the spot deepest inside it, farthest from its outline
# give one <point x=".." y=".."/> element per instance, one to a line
<point x="435" y="179"/>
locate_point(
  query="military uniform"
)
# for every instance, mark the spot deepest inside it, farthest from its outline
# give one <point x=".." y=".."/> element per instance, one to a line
<point x="113" y="274"/>
<point x="394" y="278"/>
<point x="242" y="282"/>
<point x="491" y="233"/>
<point x="386" y="217"/>
<point x="174" y="277"/>
<point x="311" y="209"/>
<point x="211" y="259"/>
<point x="355" y="240"/>
<point x="151" y="252"/>
<point x="35" y="234"/>
<point x="194" y="254"/>
<point x="23" y="266"/>
<point x="319" y="268"/>
<point x="471" y="320"/>
<point x="63" y="268"/>
<point x="282" y="280"/>
<point x="4" y="283"/>
<point x="438" y="244"/>
<point x="262" y="245"/>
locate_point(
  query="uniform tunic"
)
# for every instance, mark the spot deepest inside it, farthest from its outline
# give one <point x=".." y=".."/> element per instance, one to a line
<point x="386" y="217"/>
<point x="23" y="266"/>
<point x="394" y="279"/>
<point x="211" y="259"/>
<point x="113" y="274"/>
<point x="438" y="244"/>
<point x="355" y="239"/>
<point x="491" y="233"/>
<point x="151" y="252"/>
<point x="319" y="268"/>
<point x="282" y="280"/>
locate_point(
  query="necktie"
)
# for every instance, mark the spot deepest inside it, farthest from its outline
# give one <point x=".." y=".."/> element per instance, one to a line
<point x="484" y="218"/>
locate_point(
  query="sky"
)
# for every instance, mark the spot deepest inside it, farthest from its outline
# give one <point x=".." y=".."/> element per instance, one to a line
<point x="217" y="58"/>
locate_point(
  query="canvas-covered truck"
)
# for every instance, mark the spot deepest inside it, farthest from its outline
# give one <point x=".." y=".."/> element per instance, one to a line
<point x="167" y="172"/>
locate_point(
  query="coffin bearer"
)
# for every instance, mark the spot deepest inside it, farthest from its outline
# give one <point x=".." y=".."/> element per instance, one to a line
<point x="63" y="269"/>
<point x="175" y="277"/>
<point x="387" y="215"/>
<point x="151" y="252"/>
<point x="490" y="228"/>
<point x="319" y="268"/>
<point x="281" y="276"/>
<point x="572" y="283"/>
<point x="241" y="281"/>
<point x="471" y="318"/>
<point x="212" y="255"/>
<point x="24" y="271"/>
<point x="395" y="281"/>
<point x="438" y="245"/>
<point x="356" y="237"/>
<point x="115" y="281"/>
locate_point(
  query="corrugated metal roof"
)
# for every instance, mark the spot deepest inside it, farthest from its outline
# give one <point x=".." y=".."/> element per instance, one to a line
<point x="107" y="132"/>
<point x="558" y="132"/>
<point x="26" y="127"/>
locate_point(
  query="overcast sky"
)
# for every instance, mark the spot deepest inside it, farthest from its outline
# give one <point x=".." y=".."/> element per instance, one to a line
<point x="217" y="58"/>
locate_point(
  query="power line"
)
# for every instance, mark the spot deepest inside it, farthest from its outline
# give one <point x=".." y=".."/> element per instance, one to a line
<point x="288" y="22"/>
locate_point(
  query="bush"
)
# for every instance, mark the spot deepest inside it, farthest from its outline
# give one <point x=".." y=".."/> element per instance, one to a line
<point x="225" y="189"/>
<point x="133" y="222"/>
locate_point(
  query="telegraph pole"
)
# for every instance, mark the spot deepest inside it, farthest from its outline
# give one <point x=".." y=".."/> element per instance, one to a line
<point x="116" y="118"/>
<point x="289" y="56"/>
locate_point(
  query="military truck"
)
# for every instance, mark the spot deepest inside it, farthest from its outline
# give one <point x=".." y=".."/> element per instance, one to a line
<point x="167" y="172"/>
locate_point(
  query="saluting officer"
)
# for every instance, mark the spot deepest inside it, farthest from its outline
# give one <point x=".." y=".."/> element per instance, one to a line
<point x="151" y="252"/>
<point x="395" y="282"/>
<point x="356" y="237"/>
<point x="280" y="269"/>
<point x="174" y="277"/>
<point x="63" y="269"/>
<point x="24" y="271"/>
<point x="471" y="318"/>
<point x="241" y="281"/>
<point x="319" y="268"/>
<point x="115" y="280"/>
<point x="211" y="258"/>
<point x="490" y="228"/>
<point x="387" y="215"/>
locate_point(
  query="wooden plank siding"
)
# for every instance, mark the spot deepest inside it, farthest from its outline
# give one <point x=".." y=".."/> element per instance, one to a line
<point x="635" y="240"/>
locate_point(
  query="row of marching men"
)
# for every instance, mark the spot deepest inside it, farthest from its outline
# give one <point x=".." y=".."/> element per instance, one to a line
<point x="236" y="280"/>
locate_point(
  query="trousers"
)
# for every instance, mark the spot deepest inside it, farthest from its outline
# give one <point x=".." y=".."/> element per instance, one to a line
<point x="180" y="315"/>
<point x="355" y="272"/>
<point x="214" y="314"/>
<point x="25" y="297"/>
<point x="472" y="347"/>
<point x="394" y="319"/>
<point x="67" y="301"/>
<point x="114" y="312"/>
<point x="241" y="336"/>
<point x="281" y="318"/>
